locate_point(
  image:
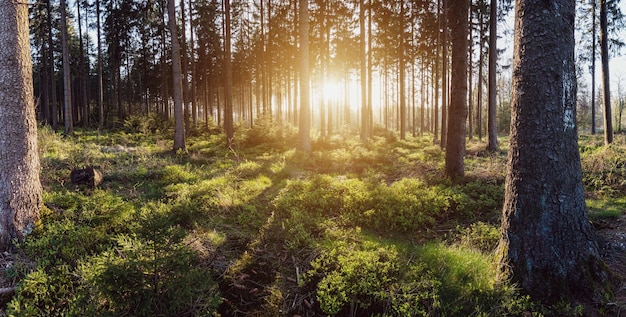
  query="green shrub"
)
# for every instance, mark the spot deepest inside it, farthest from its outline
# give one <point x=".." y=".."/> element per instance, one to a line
<point x="374" y="278"/>
<point x="480" y="236"/>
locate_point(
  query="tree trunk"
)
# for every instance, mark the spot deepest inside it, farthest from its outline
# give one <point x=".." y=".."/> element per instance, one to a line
<point x="183" y="36"/>
<point x="548" y="246"/>
<point x="492" y="121"/>
<point x="402" y="75"/>
<point x="53" y="83"/>
<point x="593" y="67"/>
<point x="67" y="77"/>
<point x="179" y="126"/>
<point x="100" y="88"/>
<point x="455" y="147"/>
<point x="20" y="188"/>
<point x="364" y="119"/>
<point x="194" y="107"/>
<point x="304" y="130"/>
<point x="606" y="80"/>
<point x="228" y="84"/>
<point x="444" y="75"/>
<point x="83" y="71"/>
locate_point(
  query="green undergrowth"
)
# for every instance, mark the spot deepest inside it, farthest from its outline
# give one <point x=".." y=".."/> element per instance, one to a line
<point x="351" y="229"/>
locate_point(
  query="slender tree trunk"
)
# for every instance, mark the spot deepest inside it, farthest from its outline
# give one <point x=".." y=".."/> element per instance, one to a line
<point x="492" y="121"/>
<point x="184" y="70"/>
<point x="606" y="79"/>
<point x="192" y="50"/>
<point x="593" y="66"/>
<point x="455" y="147"/>
<point x="179" y="126"/>
<point x="364" y="119"/>
<point x="470" y="74"/>
<point x="83" y="71"/>
<point x="100" y="88"/>
<point x="228" y="85"/>
<point x="402" y="77"/>
<point x="548" y="246"/>
<point x="304" y="130"/>
<point x="53" y="82"/>
<point x="444" y="76"/>
<point x="67" y="76"/>
<point x="20" y="187"/>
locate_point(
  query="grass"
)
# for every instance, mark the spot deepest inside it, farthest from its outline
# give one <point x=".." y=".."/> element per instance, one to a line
<point x="352" y="229"/>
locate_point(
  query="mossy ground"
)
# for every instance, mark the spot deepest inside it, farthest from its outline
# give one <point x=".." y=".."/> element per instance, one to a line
<point x="351" y="229"/>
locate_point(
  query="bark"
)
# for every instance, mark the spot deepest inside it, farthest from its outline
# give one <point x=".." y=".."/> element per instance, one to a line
<point x="606" y="80"/>
<point x="492" y="123"/>
<point x="548" y="246"/>
<point x="455" y="147"/>
<point x="304" y="129"/>
<point x="179" y="127"/>
<point x="20" y="187"/>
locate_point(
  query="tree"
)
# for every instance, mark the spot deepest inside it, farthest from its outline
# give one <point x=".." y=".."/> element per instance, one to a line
<point x="365" y="121"/>
<point x="100" y="88"/>
<point x="179" y="127"/>
<point x="67" y="79"/>
<point x="547" y="245"/>
<point x="455" y="145"/>
<point x="20" y="188"/>
<point x="304" y="130"/>
<point x="606" y="80"/>
<point x="228" y="73"/>
<point x="492" y="123"/>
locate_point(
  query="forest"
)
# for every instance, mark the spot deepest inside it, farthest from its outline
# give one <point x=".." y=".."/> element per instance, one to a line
<point x="311" y="158"/>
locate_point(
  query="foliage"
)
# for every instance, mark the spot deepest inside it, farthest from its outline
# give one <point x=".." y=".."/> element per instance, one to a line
<point x="370" y="227"/>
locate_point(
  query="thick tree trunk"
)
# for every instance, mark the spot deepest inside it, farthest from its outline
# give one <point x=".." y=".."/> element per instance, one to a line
<point x="492" y="122"/>
<point x="20" y="188"/>
<point x="455" y="147"/>
<point x="606" y="80"/>
<point x="304" y="129"/>
<point x="548" y="246"/>
<point x="179" y="127"/>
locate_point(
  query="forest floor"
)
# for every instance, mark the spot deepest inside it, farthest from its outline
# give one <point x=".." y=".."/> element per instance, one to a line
<point x="350" y="230"/>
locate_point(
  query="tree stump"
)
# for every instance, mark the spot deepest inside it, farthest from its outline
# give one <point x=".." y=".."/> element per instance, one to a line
<point x="88" y="176"/>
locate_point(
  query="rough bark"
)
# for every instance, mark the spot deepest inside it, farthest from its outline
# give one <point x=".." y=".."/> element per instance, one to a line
<point x="304" y="129"/>
<point x="455" y="146"/>
<point x="20" y="188"/>
<point x="179" y="127"/>
<point x="548" y="246"/>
